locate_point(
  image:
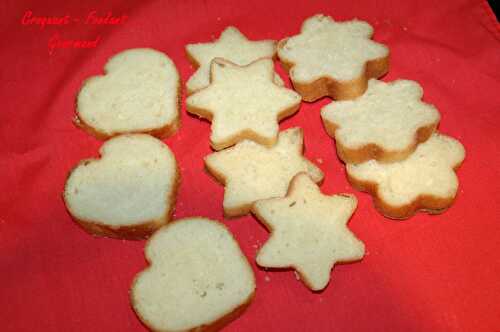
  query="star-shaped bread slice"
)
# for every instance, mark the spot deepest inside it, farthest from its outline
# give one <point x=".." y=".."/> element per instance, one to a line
<point x="308" y="231"/>
<point x="243" y="103"/>
<point x="386" y="123"/>
<point x="251" y="171"/>
<point x="232" y="45"/>
<point x="333" y="59"/>
<point x="426" y="180"/>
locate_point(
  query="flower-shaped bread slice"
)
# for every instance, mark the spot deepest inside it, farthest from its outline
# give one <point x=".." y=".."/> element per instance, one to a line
<point x="426" y="180"/>
<point x="333" y="59"/>
<point x="139" y="93"/>
<point x="386" y="123"/>
<point x="232" y="45"/>
<point x="243" y="103"/>
<point x="308" y="231"/>
<point x="198" y="278"/>
<point x="251" y="171"/>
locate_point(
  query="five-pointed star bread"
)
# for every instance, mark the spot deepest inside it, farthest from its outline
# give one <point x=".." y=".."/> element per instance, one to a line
<point x="251" y="171"/>
<point x="333" y="59"/>
<point x="232" y="45"/>
<point x="386" y="123"/>
<point x="308" y="231"/>
<point x="243" y="103"/>
<point x="426" y="180"/>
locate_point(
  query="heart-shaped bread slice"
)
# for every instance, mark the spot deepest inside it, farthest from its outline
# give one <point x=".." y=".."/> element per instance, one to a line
<point x="198" y="278"/>
<point x="129" y="192"/>
<point x="139" y="93"/>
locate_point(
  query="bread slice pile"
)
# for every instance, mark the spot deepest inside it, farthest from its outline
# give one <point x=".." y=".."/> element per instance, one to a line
<point x="378" y="127"/>
<point x="198" y="278"/>
<point x="388" y="139"/>
<point x="244" y="104"/>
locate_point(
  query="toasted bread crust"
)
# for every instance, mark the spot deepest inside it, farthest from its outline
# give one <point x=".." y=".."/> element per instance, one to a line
<point x="139" y="231"/>
<point x="338" y="90"/>
<point x="166" y="131"/>
<point x="373" y="151"/>
<point x="212" y="326"/>
<point x="425" y="203"/>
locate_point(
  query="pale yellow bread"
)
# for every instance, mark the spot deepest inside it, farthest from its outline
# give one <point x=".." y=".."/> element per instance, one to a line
<point x="129" y="192"/>
<point x="426" y="180"/>
<point x="250" y="171"/>
<point x="139" y="93"/>
<point x="330" y="58"/>
<point x="243" y="102"/>
<point x="198" y="278"/>
<point x="386" y="123"/>
<point x="308" y="231"/>
<point x="233" y="46"/>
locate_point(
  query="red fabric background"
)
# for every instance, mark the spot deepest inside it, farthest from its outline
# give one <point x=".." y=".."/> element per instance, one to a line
<point x="433" y="273"/>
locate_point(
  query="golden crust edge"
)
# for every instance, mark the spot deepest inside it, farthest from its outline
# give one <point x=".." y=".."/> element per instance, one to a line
<point x="338" y="90"/>
<point x="374" y="151"/>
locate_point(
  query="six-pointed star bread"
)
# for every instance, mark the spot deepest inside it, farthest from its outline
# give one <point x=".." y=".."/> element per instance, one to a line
<point x="386" y="123"/>
<point x="333" y="59"/>
<point x="232" y="45"/>
<point x="243" y="103"/>
<point x="308" y="231"/>
<point x="251" y="171"/>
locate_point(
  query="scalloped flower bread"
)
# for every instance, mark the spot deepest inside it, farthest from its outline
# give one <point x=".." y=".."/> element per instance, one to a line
<point x="129" y="192"/>
<point x="386" y="123"/>
<point x="330" y="58"/>
<point x="198" y="278"/>
<point x="139" y="93"/>
<point x="308" y="231"/>
<point x="426" y="180"/>
<point x="233" y="46"/>
<point x="243" y="102"/>
<point x="250" y="171"/>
